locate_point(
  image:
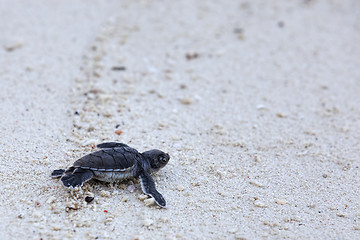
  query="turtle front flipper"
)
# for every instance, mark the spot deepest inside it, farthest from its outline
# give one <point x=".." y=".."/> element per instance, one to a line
<point x="148" y="187"/>
<point x="111" y="145"/>
<point x="74" y="177"/>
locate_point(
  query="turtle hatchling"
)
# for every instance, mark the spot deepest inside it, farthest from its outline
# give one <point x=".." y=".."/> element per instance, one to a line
<point x="116" y="162"/>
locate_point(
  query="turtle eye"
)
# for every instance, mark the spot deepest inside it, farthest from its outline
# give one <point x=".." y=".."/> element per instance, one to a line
<point x="162" y="159"/>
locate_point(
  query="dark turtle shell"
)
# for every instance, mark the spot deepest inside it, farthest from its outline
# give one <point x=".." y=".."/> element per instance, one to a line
<point x="117" y="159"/>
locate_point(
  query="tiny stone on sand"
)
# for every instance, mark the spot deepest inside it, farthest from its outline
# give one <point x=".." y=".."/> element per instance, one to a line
<point x="256" y="183"/>
<point x="149" y="202"/>
<point x="180" y="188"/>
<point x="186" y="101"/>
<point x="281" y="201"/>
<point x="104" y="193"/>
<point x="260" y="204"/>
<point x="340" y="214"/>
<point x="142" y="197"/>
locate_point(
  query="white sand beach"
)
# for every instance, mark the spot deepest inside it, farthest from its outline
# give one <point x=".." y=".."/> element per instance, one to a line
<point x="257" y="103"/>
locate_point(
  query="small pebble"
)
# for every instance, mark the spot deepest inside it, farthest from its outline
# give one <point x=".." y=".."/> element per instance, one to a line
<point x="180" y="188"/>
<point x="107" y="114"/>
<point x="256" y="183"/>
<point x="185" y="101"/>
<point x="56" y="228"/>
<point x="104" y="193"/>
<point x="108" y="219"/>
<point x="118" y="132"/>
<point x="356" y="227"/>
<point x="259" y="204"/>
<point x="149" y="201"/>
<point x="340" y="214"/>
<point x="183" y="86"/>
<point x="147" y="222"/>
<point x="281" y="201"/>
<point x="190" y="56"/>
<point x="125" y="199"/>
<point x="142" y="197"/>
<point x="280" y="115"/>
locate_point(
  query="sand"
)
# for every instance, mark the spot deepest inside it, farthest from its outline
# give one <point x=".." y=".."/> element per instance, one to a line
<point x="257" y="103"/>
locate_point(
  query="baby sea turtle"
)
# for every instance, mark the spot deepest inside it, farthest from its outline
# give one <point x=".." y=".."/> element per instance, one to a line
<point x="116" y="162"/>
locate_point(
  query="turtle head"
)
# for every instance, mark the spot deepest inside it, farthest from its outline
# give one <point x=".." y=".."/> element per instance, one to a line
<point x="157" y="159"/>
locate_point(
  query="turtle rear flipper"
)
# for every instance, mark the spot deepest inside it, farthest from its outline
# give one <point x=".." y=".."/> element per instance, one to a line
<point x="75" y="177"/>
<point x="57" y="173"/>
<point x="148" y="187"/>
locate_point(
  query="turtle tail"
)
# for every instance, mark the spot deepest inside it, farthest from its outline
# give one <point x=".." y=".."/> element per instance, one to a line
<point x="57" y="173"/>
<point x="74" y="177"/>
